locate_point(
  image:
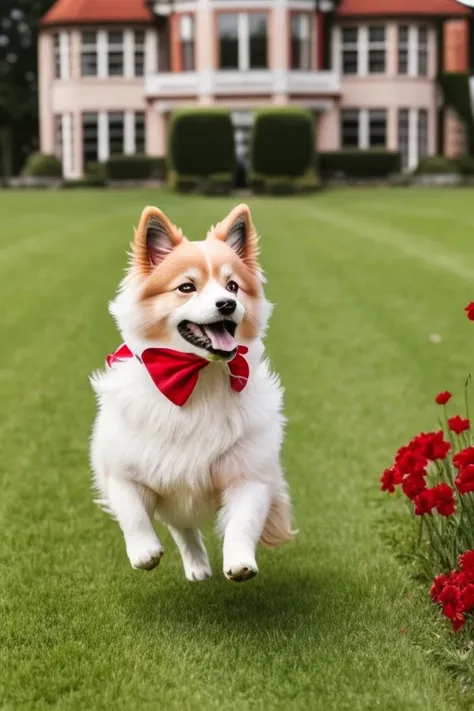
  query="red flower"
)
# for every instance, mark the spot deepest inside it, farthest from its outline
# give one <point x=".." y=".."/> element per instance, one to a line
<point x="466" y="561"/>
<point x="464" y="457"/>
<point x="465" y="479"/>
<point x="438" y="586"/>
<point x="390" y="479"/>
<point x="424" y="502"/>
<point x="459" y="424"/>
<point x="466" y="598"/>
<point x="443" y="497"/>
<point x="449" y="598"/>
<point x="469" y="309"/>
<point x="410" y="461"/>
<point x="443" y="398"/>
<point x="431" y="445"/>
<point x="413" y="485"/>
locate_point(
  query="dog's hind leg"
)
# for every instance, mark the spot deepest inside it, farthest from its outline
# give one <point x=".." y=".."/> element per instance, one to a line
<point x="193" y="553"/>
<point x="133" y="506"/>
<point x="245" y="509"/>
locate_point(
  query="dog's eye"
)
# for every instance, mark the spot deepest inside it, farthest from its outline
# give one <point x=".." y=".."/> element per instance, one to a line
<point x="186" y="288"/>
<point x="233" y="287"/>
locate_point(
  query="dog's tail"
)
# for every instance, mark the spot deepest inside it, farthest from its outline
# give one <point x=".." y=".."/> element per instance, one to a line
<point x="278" y="529"/>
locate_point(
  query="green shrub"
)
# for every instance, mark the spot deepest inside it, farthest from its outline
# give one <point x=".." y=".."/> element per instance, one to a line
<point x="457" y="95"/>
<point x="42" y="165"/>
<point x="282" y="142"/>
<point x="201" y="142"/>
<point x="437" y="165"/>
<point x="465" y="165"/>
<point x="283" y="184"/>
<point x="218" y="184"/>
<point x="359" y="163"/>
<point x="135" y="167"/>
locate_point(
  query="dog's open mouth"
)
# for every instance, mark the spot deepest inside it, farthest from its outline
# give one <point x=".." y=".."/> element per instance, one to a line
<point x="217" y="338"/>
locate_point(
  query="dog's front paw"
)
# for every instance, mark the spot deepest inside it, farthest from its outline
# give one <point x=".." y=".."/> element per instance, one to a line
<point x="197" y="571"/>
<point x="144" y="554"/>
<point x="240" y="571"/>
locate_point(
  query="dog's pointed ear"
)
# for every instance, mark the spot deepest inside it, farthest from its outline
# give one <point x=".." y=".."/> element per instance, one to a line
<point x="155" y="238"/>
<point x="237" y="230"/>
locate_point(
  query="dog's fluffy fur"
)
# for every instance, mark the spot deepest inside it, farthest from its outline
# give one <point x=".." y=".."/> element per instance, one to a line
<point x="221" y="451"/>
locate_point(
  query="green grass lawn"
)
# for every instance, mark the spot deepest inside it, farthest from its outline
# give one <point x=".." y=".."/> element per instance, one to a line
<point x="333" y="622"/>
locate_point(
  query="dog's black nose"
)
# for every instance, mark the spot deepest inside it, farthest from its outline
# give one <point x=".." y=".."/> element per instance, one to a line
<point x="227" y="306"/>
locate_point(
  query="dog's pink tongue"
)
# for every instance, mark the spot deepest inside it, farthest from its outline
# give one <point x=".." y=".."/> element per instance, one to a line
<point x="220" y="338"/>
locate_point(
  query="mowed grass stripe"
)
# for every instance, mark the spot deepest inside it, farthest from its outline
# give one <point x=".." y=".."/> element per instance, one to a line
<point x="321" y="627"/>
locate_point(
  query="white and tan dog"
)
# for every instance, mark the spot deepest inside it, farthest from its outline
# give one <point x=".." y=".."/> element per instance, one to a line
<point x="189" y="413"/>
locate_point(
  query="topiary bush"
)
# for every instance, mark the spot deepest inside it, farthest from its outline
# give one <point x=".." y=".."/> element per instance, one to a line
<point x="135" y="167"/>
<point x="201" y="143"/>
<point x="43" y="165"/>
<point x="282" y="142"/>
<point x="359" y="163"/>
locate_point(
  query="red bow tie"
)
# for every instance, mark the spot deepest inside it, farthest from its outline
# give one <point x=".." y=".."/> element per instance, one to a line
<point x="175" y="374"/>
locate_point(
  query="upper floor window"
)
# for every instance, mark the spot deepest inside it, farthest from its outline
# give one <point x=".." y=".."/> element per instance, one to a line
<point x="112" y="53"/>
<point x="62" y="54"/>
<point x="139" y="52"/>
<point x="364" y="49"/>
<point x="413" y="50"/>
<point x="301" y="41"/>
<point x="57" y="56"/>
<point x="115" y="53"/>
<point x="186" y="34"/>
<point x="243" y="40"/>
<point x="377" y="50"/>
<point x="89" y="53"/>
<point x="350" y="50"/>
<point x="422" y="50"/>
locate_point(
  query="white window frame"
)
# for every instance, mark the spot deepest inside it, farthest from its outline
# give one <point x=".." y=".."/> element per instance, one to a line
<point x="133" y="47"/>
<point x="362" y="45"/>
<point x="62" y="54"/>
<point x="120" y="48"/>
<point x="306" y="34"/>
<point x="129" y="138"/>
<point x="414" y="114"/>
<point x="92" y="47"/>
<point x="414" y="49"/>
<point x="102" y="47"/>
<point x="187" y="34"/>
<point x="364" y="125"/>
<point x="376" y="45"/>
<point x="64" y="143"/>
<point x="243" y="42"/>
<point x="350" y="46"/>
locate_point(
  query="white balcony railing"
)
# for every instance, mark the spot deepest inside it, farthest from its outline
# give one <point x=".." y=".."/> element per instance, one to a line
<point x="173" y="84"/>
<point x="242" y="83"/>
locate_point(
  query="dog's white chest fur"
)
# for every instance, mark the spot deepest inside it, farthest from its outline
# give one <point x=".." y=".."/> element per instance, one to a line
<point x="182" y="453"/>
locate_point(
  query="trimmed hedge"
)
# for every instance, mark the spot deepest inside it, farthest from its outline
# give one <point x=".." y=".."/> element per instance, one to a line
<point x="43" y="165"/>
<point x="135" y="167"/>
<point x="283" y="184"/>
<point x="457" y="95"/>
<point x="282" y="142"/>
<point x="437" y="165"/>
<point x="215" y="184"/>
<point x="359" y="163"/>
<point x="201" y="142"/>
